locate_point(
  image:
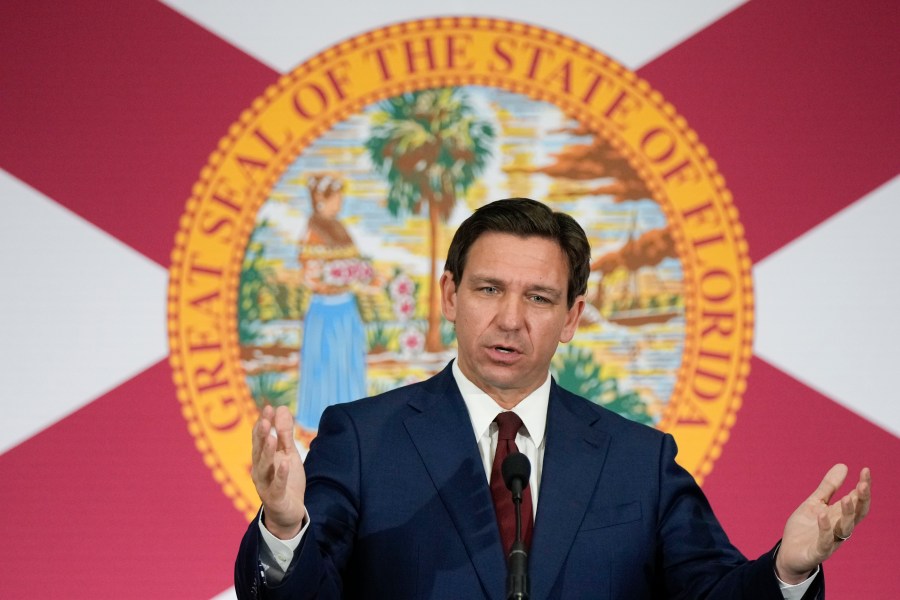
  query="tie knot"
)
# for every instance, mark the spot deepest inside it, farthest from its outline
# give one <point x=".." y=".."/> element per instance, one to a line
<point x="509" y="423"/>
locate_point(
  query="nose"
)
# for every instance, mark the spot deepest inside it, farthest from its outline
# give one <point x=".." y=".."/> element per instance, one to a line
<point x="510" y="313"/>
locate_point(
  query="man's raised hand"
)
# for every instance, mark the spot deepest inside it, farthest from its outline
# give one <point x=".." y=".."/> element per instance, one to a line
<point x="278" y="472"/>
<point x="816" y="529"/>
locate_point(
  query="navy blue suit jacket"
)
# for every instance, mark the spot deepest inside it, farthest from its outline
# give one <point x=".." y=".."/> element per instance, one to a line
<point x="401" y="508"/>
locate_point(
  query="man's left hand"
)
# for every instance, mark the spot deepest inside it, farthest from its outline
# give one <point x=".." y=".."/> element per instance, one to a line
<point x="816" y="529"/>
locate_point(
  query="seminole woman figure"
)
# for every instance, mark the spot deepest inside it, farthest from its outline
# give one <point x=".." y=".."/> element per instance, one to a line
<point x="333" y="351"/>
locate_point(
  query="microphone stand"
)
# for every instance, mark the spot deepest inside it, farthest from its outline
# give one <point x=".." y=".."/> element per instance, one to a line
<point x="517" y="562"/>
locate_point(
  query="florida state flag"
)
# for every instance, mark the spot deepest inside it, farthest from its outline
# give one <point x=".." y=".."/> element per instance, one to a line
<point x="208" y="207"/>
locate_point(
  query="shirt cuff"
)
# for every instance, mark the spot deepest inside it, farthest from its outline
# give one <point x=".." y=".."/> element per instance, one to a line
<point x="793" y="592"/>
<point x="282" y="550"/>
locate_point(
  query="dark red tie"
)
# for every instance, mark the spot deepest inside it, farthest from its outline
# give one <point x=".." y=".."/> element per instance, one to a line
<point x="509" y="423"/>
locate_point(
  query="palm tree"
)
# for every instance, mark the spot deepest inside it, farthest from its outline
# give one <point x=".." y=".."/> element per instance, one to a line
<point x="431" y="146"/>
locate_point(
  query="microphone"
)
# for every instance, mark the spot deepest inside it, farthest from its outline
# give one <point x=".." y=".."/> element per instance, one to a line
<point x="516" y="469"/>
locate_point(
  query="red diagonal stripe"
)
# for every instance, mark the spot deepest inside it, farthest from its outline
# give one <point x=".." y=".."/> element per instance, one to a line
<point x="112" y="108"/>
<point x="786" y="437"/>
<point x="797" y="102"/>
<point x="115" y="501"/>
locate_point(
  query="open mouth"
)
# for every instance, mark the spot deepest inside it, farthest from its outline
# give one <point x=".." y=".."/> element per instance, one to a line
<point x="505" y="349"/>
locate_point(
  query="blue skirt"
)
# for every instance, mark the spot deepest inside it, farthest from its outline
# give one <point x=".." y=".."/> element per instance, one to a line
<point x="332" y="357"/>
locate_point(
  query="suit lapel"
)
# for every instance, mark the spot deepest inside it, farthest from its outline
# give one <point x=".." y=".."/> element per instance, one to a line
<point x="573" y="460"/>
<point x="442" y="433"/>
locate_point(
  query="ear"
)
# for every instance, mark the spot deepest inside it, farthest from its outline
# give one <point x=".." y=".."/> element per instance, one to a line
<point x="448" y="297"/>
<point x="571" y="324"/>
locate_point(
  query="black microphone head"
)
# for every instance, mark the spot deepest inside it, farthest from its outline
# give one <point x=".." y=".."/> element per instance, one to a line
<point x="515" y="467"/>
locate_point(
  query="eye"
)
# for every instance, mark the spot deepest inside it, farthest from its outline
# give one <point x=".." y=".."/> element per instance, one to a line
<point x="539" y="299"/>
<point x="488" y="289"/>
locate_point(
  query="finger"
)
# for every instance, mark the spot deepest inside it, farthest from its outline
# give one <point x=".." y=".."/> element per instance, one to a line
<point x="262" y="470"/>
<point x="284" y="428"/>
<point x="826" y="535"/>
<point x="848" y="513"/>
<point x="833" y="479"/>
<point x="864" y="494"/>
<point x="282" y="471"/>
<point x="261" y="429"/>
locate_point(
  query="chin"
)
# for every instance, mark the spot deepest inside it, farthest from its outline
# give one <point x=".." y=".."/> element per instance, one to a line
<point x="506" y="381"/>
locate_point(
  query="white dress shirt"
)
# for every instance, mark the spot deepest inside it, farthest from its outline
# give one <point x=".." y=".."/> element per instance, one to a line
<point x="530" y="439"/>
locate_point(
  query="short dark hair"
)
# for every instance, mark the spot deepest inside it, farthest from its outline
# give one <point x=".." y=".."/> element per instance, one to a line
<point x="525" y="217"/>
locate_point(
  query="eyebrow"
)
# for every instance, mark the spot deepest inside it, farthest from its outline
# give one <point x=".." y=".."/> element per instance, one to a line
<point x="553" y="293"/>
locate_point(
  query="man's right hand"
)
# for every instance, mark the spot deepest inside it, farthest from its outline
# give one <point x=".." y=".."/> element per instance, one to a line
<point x="278" y="472"/>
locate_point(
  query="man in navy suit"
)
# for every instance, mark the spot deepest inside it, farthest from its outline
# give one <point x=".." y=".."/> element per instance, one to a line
<point x="394" y="498"/>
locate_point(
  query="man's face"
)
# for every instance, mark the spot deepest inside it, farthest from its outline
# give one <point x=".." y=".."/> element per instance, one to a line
<point x="510" y="313"/>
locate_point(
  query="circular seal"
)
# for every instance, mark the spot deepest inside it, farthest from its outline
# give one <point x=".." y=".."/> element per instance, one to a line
<point x="304" y="268"/>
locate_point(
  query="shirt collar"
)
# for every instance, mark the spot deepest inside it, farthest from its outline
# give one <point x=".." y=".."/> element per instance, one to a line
<point x="483" y="409"/>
